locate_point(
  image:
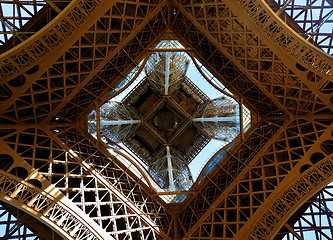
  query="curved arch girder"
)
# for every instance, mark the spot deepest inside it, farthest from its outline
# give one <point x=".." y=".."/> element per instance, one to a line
<point x="282" y="35"/>
<point x="47" y="40"/>
<point x="237" y="36"/>
<point x="64" y="217"/>
<point x="298" y="186"/>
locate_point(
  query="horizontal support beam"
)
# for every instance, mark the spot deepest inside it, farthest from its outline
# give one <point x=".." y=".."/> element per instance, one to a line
<point x="216" y="119"/>
<point x="117" y="122"/>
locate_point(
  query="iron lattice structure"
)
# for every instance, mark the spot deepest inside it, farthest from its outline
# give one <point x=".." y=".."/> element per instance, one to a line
<point x="166" y="102"/>
<point x="15" y="18"/>
<point x="171" y="170"/>
<point x="311" y="19"/>
<point x="219" y="118"/>
<point x="57" y="173"/>
<point x="166" y="71"/>
<point x="313" y="223"/>
<point x="16" y="224"/>
<point x="117" y="120"/>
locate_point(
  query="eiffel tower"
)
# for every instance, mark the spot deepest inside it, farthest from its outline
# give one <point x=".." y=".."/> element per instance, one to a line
<point x="61" y="60"/>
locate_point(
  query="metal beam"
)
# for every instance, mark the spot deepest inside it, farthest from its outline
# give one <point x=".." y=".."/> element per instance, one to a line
<point x="170" y="169"/>
<point x="233" y="184"/>
<point x="118" y="122"/>
<point x="53" y="53"/>
<point x="107" y="184"/>
<point x="218" y="45"/>
<point x="114" y="52"/>
<point x="167" y="74"/>
<point x="216" y="119"/>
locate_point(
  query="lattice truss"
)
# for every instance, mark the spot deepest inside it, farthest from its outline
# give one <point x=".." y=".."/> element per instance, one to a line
<point x="15" y="15"/>
<point x="314" y="19"/>
<point x="51" y="81"/>
<point x="254" y="59"/>
<point x="14" y="227"/>
<point x="99" y="48"/>
<point x="165" y="74"/>
<point x="117" y="120"/>
<point x="316" y="221"/>
<point x="16" y="224"/>
<point x="219" y="118"/>
<point x="245" y="196"/>
<point x="161" y="64"/>
<point x="163" y="165"/>
<point x="81" y="187"/>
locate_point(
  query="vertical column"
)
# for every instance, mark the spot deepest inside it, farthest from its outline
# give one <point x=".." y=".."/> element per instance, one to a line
<point x="167" y="74"/>
<point x="166" y="70"/>
<point x="170" y="170"/>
